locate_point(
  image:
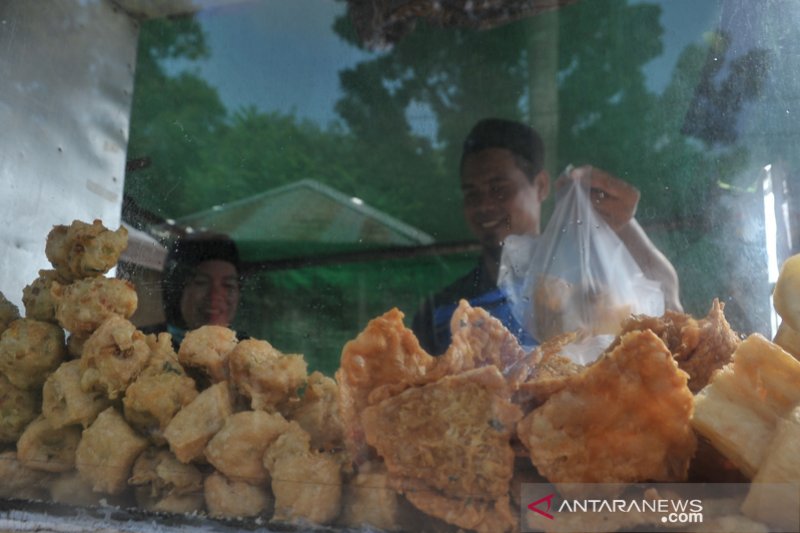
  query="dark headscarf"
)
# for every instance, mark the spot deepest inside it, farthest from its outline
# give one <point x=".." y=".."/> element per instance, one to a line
<point x="184" y="255"/>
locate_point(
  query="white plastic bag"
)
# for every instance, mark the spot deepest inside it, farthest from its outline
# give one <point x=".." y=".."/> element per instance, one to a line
<point x="576" y="276"/>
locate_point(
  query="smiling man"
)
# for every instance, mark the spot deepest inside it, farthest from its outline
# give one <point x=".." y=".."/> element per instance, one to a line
<point x="504" y="182"/>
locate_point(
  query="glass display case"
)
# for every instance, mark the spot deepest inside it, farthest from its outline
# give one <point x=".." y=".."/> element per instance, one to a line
<point x="326" y="140"/>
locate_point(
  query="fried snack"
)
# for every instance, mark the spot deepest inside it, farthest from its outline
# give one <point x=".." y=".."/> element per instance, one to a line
<point x="786" y="296"/>
<point x="8" y="313"/>
<point x="738" y="411"/>
<point x="39" y="303"/>
<point x="83" y="250"/>
<point x="624" y="419"/>
<point x="65" y="403"/>
<point x="207" y="348"/>
<point x="107" y="451"/>
<point x="75" y="344"/>
<point x="234" y="499"/>
<point x="385" y="353"/>
<point x="317" y="412"/>
<point x="29" y="351"/>
<point x="44" y="447"/>
<point x="551" y="372"/>
<point x="774" y="492"/>
<point x="18" y="407"/>
<point x="700" y="347"/>
<point x="265" y="375"/>
<point x="483" y="516"/>
<point x="460" y="427"/>
<point x="307" y="485"/>
<point x="369" y="501"/>
<point x="193" y="426"/>
<point x="82" y="306"/>
<point x="238" y="448"/>
<point x="788" y="339"/>
<point x="19" y="481"/>
<point x="479" y="340"/>
<point x="165" y="484"/>
<point x="162" y="356"/>
<point x="113" y="357"/>
<point x="152" y="400"/>
<point x="70" y="488"/>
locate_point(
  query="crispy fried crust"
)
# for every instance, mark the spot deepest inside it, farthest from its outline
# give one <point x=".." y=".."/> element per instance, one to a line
<point x="238" y="448"/>
<point x="461" y="428"/>
<point x="107" y="451"/>
<point x="29" y="351"/>
<point x="83" y="250"/>
<point x="82" y="306"/>
<point x="234" y="499"/>
<point x="44" y="447"/>
<point x="207" y="349"/>
<point x="625" y="419"/>
<point x="265" y="375"/>
<point x="479" y="340"/>
<point x="8" y="313"/>
<point x="193" y="426"/>
<point x="700" y="347"/>
<point x="65" y="403"/>
<point x="113" y="357"/>
<point x="385" y="353"/>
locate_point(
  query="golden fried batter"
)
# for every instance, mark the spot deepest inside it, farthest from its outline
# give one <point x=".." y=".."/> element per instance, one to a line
<point x="29" y="351"/>
<point x="385" y="353"/>
<point x="549" y="372"/>
<point x="113" y="357"/>
<point x="234" y="499"/>
<point x="207" y="348"/>
<point x="83" y="250"/>
<point x="317" y="412"/>
<point x="75" y="344"/>
<point x="107" y="451"/>
<point x="44" y="447"/>
<point x="479" y="340"/>
<point x="193" y="426"/>
<point x="238" y="448"/>
<point x="307" y="484"/>
<point x="85" y="304"/>
<point x="165" y="484"/>
<point x="265" y="375"/>
<point x="624" y="419"/>
<point x="461" y="458"/>
<point x="65" y="403"/>
<point x="369" y="500"/>
<point x="699" y="346"/>
<point x="483" y="516"/>
<point x="19" y="481"/>
<point x="153" y="399"/>
<point x="8" y="313"/>
<point x="18" y="407"/>
<point x="39" y="303"/>
<point x="461" y="428"/>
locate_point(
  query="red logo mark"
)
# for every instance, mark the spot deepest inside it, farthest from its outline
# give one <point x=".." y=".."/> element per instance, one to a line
<point x="549" y="500"/>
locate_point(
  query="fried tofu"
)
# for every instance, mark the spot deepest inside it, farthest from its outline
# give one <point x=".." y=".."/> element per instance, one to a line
<point x="193" y="426"/>
<point x="738" y="411"/>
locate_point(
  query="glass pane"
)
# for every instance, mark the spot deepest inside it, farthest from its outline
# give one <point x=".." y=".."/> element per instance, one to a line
<point x="328" y="162"/>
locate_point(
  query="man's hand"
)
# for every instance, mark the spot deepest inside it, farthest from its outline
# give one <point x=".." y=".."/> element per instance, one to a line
<point x="613" y="199"/>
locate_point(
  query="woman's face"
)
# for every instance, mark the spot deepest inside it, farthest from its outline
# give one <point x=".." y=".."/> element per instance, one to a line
<point x="499" y="198"/>
<point x="211" y="296"/>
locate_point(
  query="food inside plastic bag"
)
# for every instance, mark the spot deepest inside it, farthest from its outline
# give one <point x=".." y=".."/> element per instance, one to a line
<point x="576" y="276"/>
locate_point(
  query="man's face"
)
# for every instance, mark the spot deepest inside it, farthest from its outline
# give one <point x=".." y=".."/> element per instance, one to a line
<point x="499" y="198"/>
<point x="211" y="296"/>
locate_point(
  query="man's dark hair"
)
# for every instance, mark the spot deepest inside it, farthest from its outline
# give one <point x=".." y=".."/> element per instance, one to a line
<point x="520" y="139"/>
<point x="182" y="259"/>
